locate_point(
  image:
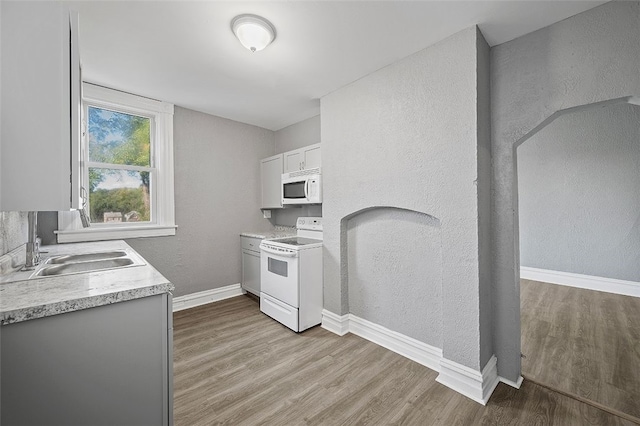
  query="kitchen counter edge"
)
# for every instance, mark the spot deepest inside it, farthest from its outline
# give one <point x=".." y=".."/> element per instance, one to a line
<point x="42" y="297"/>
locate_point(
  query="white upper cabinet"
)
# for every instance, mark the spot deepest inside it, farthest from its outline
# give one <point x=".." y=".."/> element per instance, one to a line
<point x="40" y="107"/>
<point x="304" y="158"/>
<point x="271" y="175"/>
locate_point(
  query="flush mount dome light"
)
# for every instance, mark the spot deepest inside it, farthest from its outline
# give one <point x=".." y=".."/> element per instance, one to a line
<point x="254" y="32"/>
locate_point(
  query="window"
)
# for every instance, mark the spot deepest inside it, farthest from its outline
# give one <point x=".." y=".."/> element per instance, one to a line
<point x="127" y="168"/>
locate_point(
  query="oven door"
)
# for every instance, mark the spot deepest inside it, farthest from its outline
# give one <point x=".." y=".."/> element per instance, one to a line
<point x="279" y="275"/>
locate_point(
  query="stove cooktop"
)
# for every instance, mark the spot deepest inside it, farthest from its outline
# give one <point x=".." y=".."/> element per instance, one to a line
<point x="296" y="241"/>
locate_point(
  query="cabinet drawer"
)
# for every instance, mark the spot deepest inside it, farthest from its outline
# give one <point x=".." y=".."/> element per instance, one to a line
<point x="250" y="243"/>
<point x="279" y="311"/>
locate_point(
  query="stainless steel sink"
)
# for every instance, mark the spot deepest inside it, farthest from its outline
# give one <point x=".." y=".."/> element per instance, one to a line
<point x="87" y="262"/>
<point x="86" y="257"/>
<point x="90" y="266"/>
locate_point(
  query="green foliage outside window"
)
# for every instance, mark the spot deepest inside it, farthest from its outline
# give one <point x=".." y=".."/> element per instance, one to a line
<point x="122" y="139"/>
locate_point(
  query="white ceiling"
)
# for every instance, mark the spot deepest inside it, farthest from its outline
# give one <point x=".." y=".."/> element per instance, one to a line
<point x="184" y="52"/>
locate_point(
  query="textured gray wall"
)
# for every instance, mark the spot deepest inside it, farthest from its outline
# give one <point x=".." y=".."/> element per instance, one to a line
<point x="389" y="246"/>
<point x="217" y="196"/>
<point x="303" y="133"/>
<point x="406" y="136"/>
<point x="306" y="132"/>
<point x="484" y="200"/>
<point x="13" y="230"/>
<point x="591" y="57"/>
<point x="579" y="194"/>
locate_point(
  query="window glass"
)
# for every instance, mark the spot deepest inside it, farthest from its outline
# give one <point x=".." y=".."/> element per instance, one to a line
<point x="117" y="196"/>
<point x="119" y="138"/>
<point x="120" y="171"/>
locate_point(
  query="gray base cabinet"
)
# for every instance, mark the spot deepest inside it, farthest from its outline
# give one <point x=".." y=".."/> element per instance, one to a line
<point x="251" y="264"/>
<point x="109" y="365"/>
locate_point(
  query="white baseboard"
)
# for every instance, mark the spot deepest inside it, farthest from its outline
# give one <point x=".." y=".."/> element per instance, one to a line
<point x="415" y="350"/>
<point x="471" y="383"/>
<point x="335" y="323"/>
<point x="609" y="285"/>
<point x="511" y="383"/>
<point x="208" y="296"/>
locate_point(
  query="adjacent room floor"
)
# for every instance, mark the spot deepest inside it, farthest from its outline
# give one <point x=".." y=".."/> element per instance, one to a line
<point x="583" y="342"/>
<point x="234" y="365"/>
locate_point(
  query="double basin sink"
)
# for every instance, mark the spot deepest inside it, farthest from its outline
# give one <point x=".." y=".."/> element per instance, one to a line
<point x="87" y="262"/>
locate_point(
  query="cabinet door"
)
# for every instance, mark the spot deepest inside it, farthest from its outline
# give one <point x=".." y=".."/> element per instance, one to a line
<point x="271" y="176"/>
<point x="293" y="161"/>
<point x="311" y="157"/>
<point x="108" y="365"/>
<point x="251" y="272"/>
<point x="39" y="67"/>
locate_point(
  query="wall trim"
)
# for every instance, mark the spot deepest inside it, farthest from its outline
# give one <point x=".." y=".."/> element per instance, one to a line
<point x="608" y="285"/>
<point x="511" y="383"/>
<point x="208" y="296"/>
<point x="471" y="383"/>
<point x="408" y="347"/>
<point x="335" y="323"/>
<point x="415" y="350"/>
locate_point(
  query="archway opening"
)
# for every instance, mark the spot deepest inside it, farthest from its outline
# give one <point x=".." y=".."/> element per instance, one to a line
<point x="578" y="246"/>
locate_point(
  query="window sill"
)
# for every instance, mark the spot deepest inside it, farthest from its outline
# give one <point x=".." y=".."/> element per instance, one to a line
<point x="101" y="234"/>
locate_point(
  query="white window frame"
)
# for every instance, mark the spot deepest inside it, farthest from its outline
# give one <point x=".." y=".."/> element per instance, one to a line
<point x="162" y="189"/>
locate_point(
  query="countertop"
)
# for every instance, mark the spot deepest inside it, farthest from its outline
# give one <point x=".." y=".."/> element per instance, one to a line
<point x="23" y="299"/>
<point x="278" y="232"/>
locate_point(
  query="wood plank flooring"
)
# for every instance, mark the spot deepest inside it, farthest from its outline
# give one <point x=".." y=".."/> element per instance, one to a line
<point x="583" y="342"/>
<point x="233" y="365"/>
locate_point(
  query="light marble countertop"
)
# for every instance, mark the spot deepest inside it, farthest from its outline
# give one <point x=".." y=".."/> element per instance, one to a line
<point x="278" y="232"/>
<point x="23" y="299"/>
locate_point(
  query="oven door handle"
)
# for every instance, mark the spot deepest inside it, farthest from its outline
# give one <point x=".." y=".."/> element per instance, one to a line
<point x="279" y="253"/>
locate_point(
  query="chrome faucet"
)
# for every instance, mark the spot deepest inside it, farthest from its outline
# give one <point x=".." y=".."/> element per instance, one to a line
<point x="84" y="217"/>
<point x="33" y="246"/>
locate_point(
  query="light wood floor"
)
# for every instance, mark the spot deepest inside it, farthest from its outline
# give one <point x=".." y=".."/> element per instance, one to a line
<point x="233" y="365"/>
<point x="583" y="342"/>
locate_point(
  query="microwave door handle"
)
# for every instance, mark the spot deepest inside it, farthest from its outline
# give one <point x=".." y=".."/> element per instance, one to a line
<point x="278" y="253"/>
<point x="306" y="189"/>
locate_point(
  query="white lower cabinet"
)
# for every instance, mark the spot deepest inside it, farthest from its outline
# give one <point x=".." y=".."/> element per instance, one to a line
<point x="251" y="264"/>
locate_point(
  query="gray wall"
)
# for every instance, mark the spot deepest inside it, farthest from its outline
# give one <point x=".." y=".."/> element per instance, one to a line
<point x="579" y="194"/>
<point x="217" y="196"/>
<point x="483" y="103"/>
<point x="303" y="133"/>
<point x="387" y="246"/>
<point x="13" y="230"/>
<point x="591" y="57"/>
<point x="406" y="136"/>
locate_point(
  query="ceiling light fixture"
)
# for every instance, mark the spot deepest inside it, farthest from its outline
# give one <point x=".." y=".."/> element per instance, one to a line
<point x="254" y="32"/>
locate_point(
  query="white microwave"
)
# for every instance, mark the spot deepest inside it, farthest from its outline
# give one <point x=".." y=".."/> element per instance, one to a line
<point x="302" y="187"/>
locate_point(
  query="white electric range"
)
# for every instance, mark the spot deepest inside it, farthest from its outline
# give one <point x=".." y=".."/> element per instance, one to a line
<point x="291" y="276"/>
